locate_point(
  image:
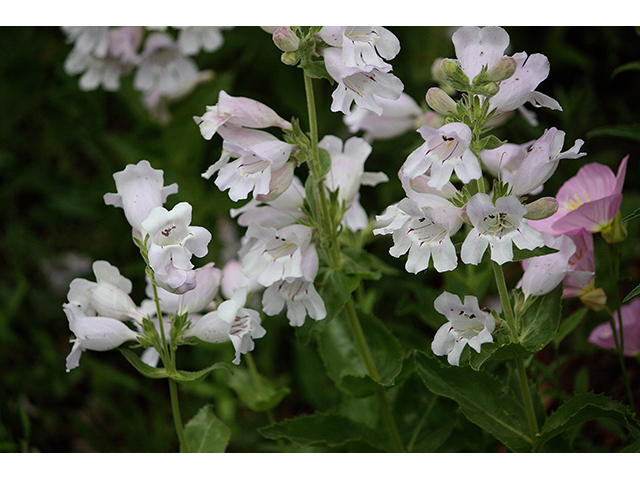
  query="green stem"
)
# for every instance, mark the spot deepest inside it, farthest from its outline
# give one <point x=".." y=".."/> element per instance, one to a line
<point x="365" y="353"/>
<point x="507" y="311"/>
<point x="328" y="235"/>
<point x="177" y="418"/>
<point x="619" y="336"/>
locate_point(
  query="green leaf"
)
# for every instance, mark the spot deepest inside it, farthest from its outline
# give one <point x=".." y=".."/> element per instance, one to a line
<point x="519" y="255"/>
<point x="425" y="420"/>
<point x="336" y="291"/>
<point x="495" y="352"/>
<point x="365" y="265"/>
<point x="626" y="67"/>
<point x="328" y="428"/>
<point x="206" y="433"/>
<point x="180" y="376"/>
<point x="482" y="398"/>
<point x="539" y="323"/>
<point x="632" y="216"/>
<point x="569" y="324"/>
<point x="316" y="70"/>
<point x="340" y="353"/>
<point x="630" y="132"/>
<point x="632" y="294"/>
<point x="585" y="407"/>
<point x="256" y="392"/>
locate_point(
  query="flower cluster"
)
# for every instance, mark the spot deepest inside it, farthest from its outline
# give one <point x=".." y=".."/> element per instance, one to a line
<point x="355" y="59"/>
<point x="159" y="58"/>
<point x="102" y="315"/>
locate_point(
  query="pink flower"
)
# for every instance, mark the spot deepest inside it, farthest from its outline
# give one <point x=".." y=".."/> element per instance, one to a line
<point x="602" y="335"/>
<point x="590" y="200"/>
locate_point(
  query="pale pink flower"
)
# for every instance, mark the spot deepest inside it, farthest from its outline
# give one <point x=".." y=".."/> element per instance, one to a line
<point x="498" y="226"/>
<point x="544" y="273"/>
<point x="467" y="324"/>
<point x="444" y="151"/>
<point x="398" y="116"/>
<point x="360" y="86"/>
<point x="363" y="47"/>
<point x="238" y="111"/>
<point x="108" y="296"/>
<point x="94" y="333"/>
<point x="590" y="200"/>
<point x="582" y="266"/>
<point x="347" y="175"/>
<point x="230" y="322"/>
<point x="140" y="188"/>
<point x="172" y="242"/>
<point x="602" y="335"/>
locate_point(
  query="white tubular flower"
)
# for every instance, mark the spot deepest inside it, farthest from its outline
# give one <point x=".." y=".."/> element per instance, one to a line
<point x="468" y="324"/>
<point x="276" y="254"/>
<point x="173" y="242"/>
<point x="196" y="300"/>
<point x="541" y="161"/>
<point x="230" y="322"/>
<point x="108" y="296"/>
<point x="362" y="47"/>
<point x="233" y="279"/>
<point x="544" y="273"/>
<point x="239" y="111"/>
<point x="256" y="154"/>
<point x="284" y="210"/>
<point x="163" y="67"/>
<point x="93" y="40"/>
<point x="94" y="333"/>
<point x="347" y="175"/>
<point x="479" y="47"/>
<point x="444" y="151"/>
<point x="398" y="117"/>
<point x="417" y="230"/>
<point x="140" y="188"/>
<point x="301" y="298"/>
<point x="193" y="39"/>
<point x="499" y="226"/>
<point x="359" y="86"/>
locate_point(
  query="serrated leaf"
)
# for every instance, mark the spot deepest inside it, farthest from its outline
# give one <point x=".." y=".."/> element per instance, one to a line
<point x="539" y="323"/>
<point x="256" y="392"/>
<point x="336" y="290"/>
<point x="585" y="407"/>
<point x="328" y="428"/>
<point x="482" y="398"/>
<point x="340" y="353"/>
<point x="180" y="376"/>
<point x="206" y="433"/>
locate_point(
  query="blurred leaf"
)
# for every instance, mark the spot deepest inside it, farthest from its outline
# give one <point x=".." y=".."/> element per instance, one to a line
<point x="585" y="407"/>
<point x="327" y="428"/>
<point x="483" y="399"/>
<point x="630" y="132"/>
<point x="206" y="433"/>
<point x="625" y="68"/>
<point x="539" y="323"/>
<point x="632" y="294"/>
<point x="257" y="392"/>
<point x="569" y="324"/>
<point x="632" y="216"/>
<point x="336" y="291"/>
<point x="181" y="376"/>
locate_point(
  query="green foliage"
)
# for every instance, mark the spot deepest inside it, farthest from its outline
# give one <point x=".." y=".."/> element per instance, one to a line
<point x="205" y="433"/>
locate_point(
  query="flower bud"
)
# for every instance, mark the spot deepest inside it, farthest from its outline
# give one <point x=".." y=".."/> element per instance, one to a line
<point x="502" y="69"/>
<point x="440" y="102"/>
<point x="286" y="39"/>
<point x="616" y="231"/>
<point x="289" y="58"/>
<point x="541" y="208"/>
<point x="489" y="89"/>
<point x="595" y="299"/>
